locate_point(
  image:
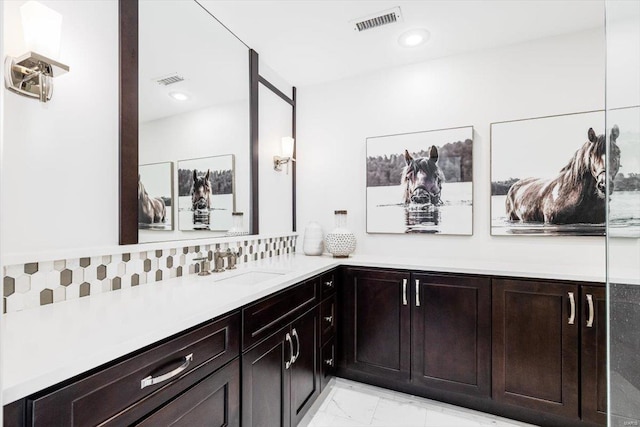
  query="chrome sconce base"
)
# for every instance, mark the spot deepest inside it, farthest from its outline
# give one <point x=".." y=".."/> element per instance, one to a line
<point x="279" y="161"/>
<point x="30" y="75"/>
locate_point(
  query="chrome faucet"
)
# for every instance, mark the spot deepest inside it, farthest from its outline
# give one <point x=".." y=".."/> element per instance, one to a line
<point x="218" y="260"/>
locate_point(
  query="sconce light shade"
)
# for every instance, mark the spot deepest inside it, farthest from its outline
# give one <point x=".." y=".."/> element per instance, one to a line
<point x="287" y="154"/>
<point x="31" y="74"/>
<point x="287" y="146"/>
<point x="42" y="27"/>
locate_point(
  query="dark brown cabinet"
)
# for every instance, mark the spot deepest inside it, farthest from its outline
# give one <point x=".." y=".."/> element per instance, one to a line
<point x="215" y="401"/>
<point x="428" y="330"/>
<point x="281" y="375"/>
<point x="451" y="333"/>
<point x="535" y="345"/>
<point x="376" y="319"/>
<point x="131" y="389"/>
<point x="594" y="354"/>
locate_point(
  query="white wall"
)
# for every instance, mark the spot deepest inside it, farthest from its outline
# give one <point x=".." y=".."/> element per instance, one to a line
<point x="213" y="131"/>
<point x="545" y="77"/>
<point x="60" y="165"/>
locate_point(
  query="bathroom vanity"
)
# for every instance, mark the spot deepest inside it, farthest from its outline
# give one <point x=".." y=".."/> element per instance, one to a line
<point x="258" y="344"/>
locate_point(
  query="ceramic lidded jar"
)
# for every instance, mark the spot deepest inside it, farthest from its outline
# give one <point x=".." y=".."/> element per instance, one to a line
<point x="340" y="242"/>
<point x="313" y="240"/>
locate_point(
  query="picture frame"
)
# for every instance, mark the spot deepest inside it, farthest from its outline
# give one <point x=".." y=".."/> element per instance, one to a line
<point x="420" y="182"/>
<point x="206" y="193"/>
<point x="540" y="179"/>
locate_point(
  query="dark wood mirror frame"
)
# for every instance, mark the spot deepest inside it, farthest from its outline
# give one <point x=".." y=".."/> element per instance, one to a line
<point x="128" y="127"/>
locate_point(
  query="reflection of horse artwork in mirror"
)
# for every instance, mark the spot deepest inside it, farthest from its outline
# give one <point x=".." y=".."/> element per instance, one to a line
<point x="154" y="196"/>
<point x="150" y="209"/>
<point x="420" y="182"/>
<point x="576" y="195"/>
<point x="551" y="176"/>
<point x="201" y="200"/>
<point x="206" y="196"/>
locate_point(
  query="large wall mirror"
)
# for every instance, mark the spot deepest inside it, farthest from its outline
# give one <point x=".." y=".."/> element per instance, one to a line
<point x="192" y="128"/>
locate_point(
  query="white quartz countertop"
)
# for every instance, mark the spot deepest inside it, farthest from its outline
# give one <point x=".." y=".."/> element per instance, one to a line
<point x="44" y="346"/>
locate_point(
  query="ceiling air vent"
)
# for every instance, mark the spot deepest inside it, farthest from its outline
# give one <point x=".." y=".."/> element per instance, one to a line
<point x="378" y="19"/>
<point x="169" y="80"/>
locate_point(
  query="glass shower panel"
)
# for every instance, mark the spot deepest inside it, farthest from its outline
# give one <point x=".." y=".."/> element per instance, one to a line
<point x="623" y="215"/>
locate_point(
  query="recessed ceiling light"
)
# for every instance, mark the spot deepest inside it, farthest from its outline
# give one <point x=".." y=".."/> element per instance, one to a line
<point x="179" y="96"/>
<point x="413" y="38"/>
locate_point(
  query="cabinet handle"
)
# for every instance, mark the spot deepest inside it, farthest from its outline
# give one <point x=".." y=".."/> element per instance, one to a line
<point x="417" y="293"/>
<point x="289" y="362"/>
<point x="329" y="284"/>
<point x="572" y="303"/>
<point x="329" y="362"/>
<point x="329" y="319"/>
<point x="404" y="292"/>
<point x="590" y="305"/>
<point x="146" y="382"/>
<point x="294" y="358"/>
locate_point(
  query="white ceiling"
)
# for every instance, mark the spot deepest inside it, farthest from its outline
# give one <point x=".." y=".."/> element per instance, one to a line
<point x="312" y="41"/>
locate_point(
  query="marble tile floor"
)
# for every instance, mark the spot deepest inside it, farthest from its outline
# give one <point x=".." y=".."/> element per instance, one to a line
<point x="347" y="403"/>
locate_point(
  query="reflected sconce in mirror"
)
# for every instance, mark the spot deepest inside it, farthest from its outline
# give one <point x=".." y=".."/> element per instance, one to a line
<point x="287" y="154"/>
<point x="31" y="74"/>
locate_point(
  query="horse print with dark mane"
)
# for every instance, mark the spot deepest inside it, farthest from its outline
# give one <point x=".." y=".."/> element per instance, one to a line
<point x="577" y="195"/>
<point x="422" y="179"/>
<point x="151" y="210"/>
<point x="201" y="200"/>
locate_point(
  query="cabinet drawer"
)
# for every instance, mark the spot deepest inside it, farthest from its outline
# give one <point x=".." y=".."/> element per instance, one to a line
<point x="101" y="395"/>
<point x="261" y="319"/>
<point x="328" y="283"/>
<point x="215" y="401"/>
<point x="327" y="319"/>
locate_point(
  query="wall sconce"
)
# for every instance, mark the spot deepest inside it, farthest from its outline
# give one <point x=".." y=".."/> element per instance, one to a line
<point x="287" y="154"/>
<point x="30" y="74"/>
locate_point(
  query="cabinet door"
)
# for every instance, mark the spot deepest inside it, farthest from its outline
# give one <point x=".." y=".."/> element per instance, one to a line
<point x="305" y="371"/>
<point x="215" y="401"/>
<point x="535" y="345"/>
<point x="266" y="382"/>
<point x="376" y="323"/>
<point x="451" y="333"/>
<point x="594" y="354"/>
<point x="327" y="362"/>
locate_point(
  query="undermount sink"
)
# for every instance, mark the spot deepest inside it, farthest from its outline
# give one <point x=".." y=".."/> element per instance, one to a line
<point x="250" y="277"/>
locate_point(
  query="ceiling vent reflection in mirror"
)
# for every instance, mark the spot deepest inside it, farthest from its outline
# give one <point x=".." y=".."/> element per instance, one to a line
<point x="169" y="79"/>
<point x="376" y="20"/>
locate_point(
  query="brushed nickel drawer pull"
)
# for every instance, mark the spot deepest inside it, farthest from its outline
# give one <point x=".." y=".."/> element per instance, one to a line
<point x="329" y="362"/>
<point x="329" y="284"/>
<point x="572" y="314"/>
<point x="289" y="362"/>
<point x="295" y="334"/>
<point x="404" y="292"/>
<point x="146" y="382"/>
<point x="329" y="319"/>
<point x="591" y="313"/>
<point x="417" y="293"/>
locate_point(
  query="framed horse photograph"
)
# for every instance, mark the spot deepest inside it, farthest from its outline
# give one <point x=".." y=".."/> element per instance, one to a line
<point x="155" y="196"/>
<point x="549" y="175"/>
<point x="624" y="208"/>
<point x="206" y="193"/>
<point x="421" y="182"/>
